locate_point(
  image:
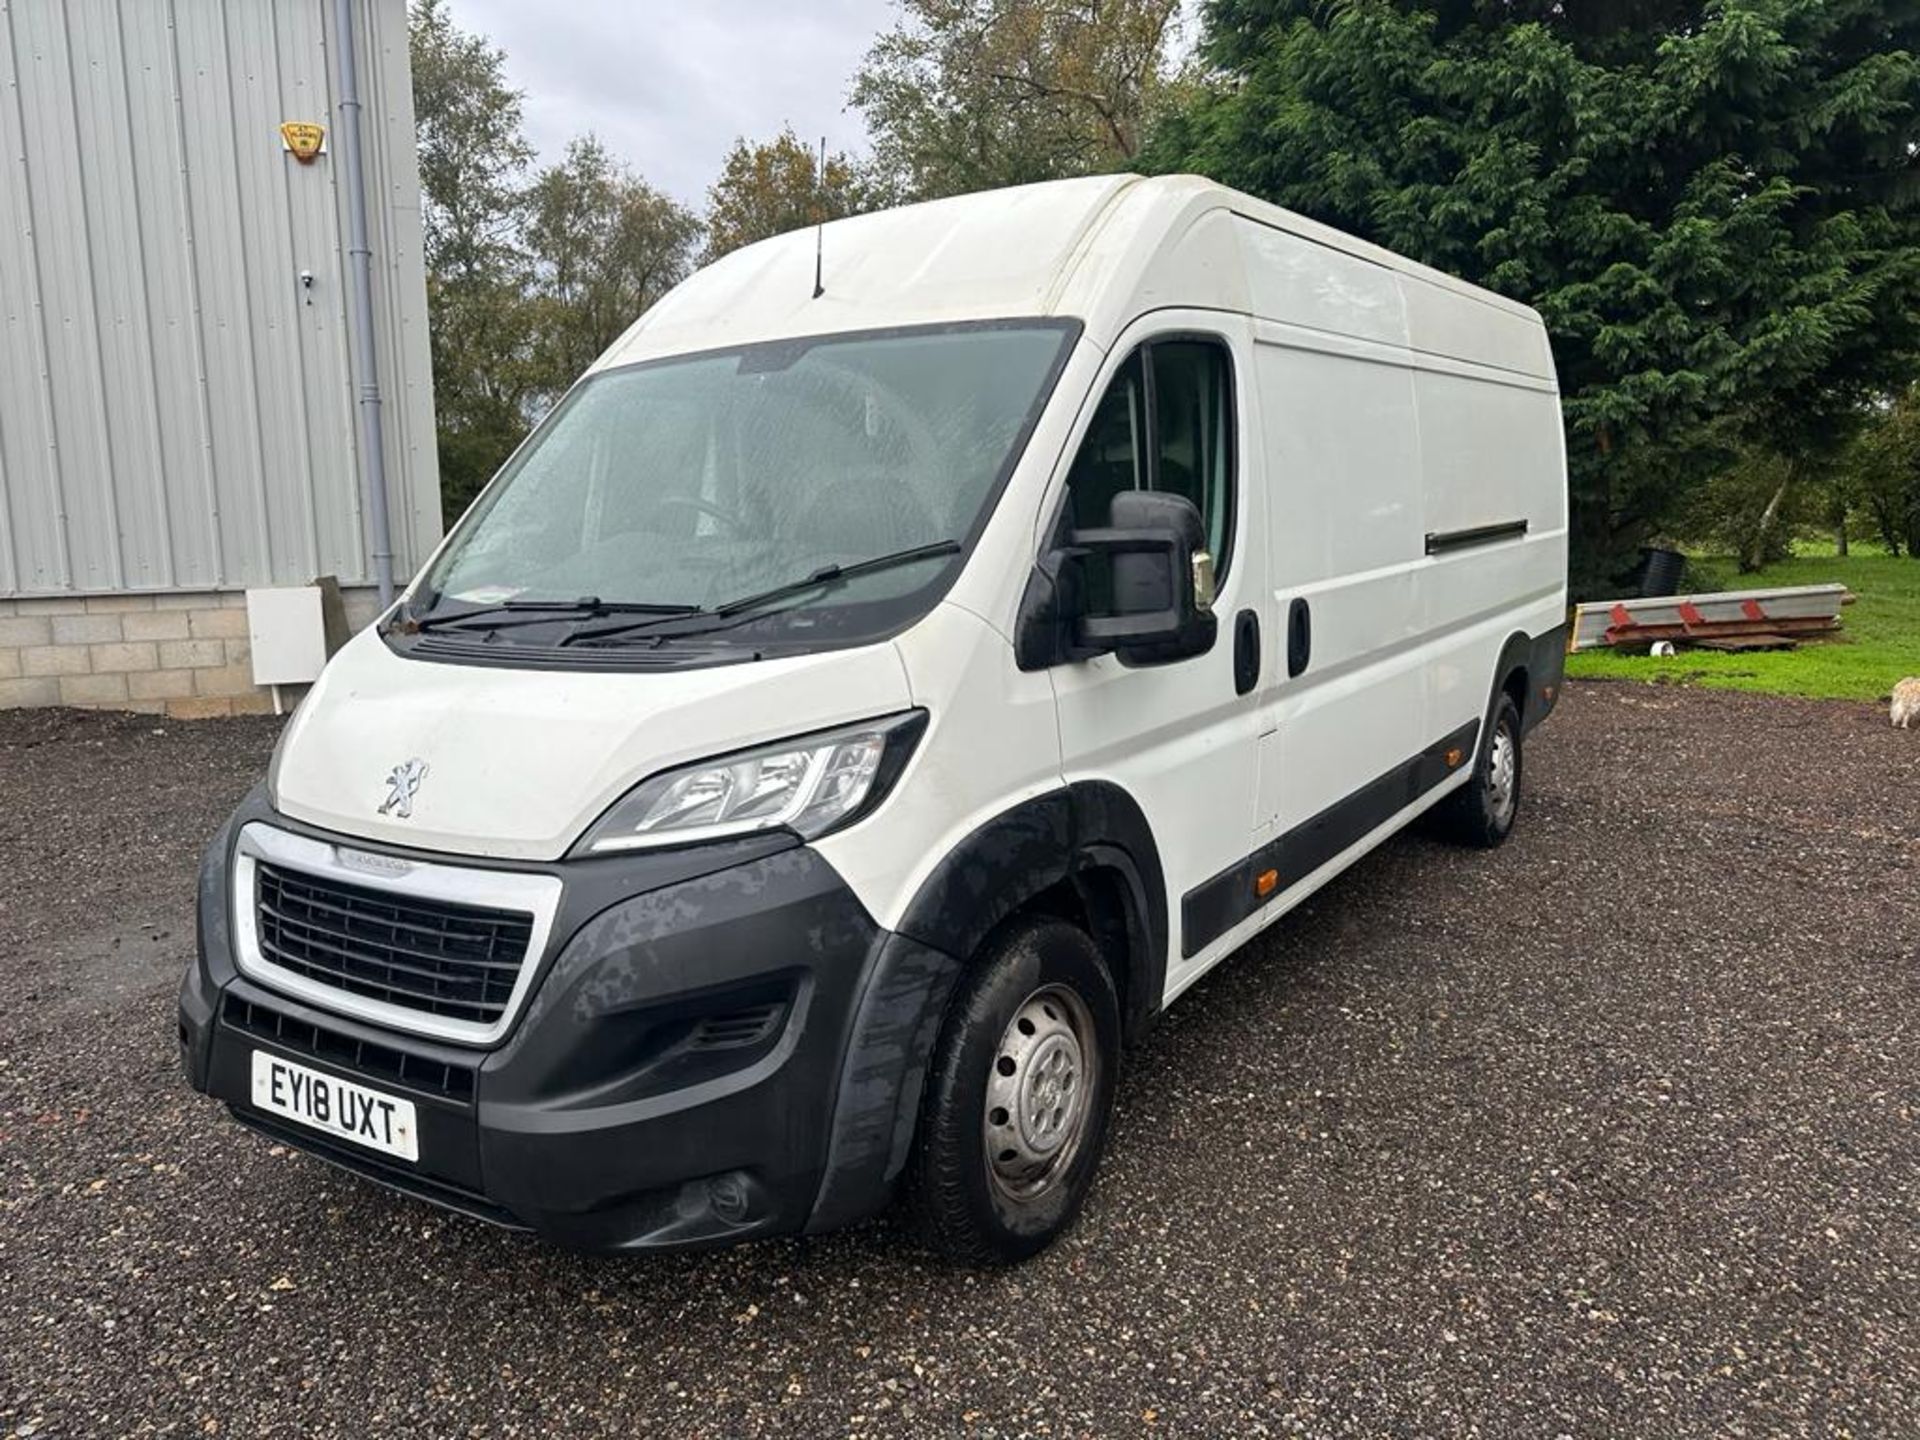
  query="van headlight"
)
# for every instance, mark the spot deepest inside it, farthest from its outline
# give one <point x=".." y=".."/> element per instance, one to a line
<point x="809" y="785"/>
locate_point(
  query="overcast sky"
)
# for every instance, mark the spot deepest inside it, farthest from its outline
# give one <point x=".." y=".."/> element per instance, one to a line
<point x="670" y="84"/>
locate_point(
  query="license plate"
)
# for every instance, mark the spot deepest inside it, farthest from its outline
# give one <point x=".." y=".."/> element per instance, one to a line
<point x="336" y="1107"/>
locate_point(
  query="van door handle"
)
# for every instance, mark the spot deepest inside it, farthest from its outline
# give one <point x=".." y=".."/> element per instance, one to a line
<point x="1246" y="651"/>
<point x="1299" y="638"/>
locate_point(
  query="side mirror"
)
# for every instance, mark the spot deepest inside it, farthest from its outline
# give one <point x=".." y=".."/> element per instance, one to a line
<point x="1161" y="607"/>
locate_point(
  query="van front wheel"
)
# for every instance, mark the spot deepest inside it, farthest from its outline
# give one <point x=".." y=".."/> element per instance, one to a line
<point x="1018" y="1097"/>
<point x="1481" y="812"/>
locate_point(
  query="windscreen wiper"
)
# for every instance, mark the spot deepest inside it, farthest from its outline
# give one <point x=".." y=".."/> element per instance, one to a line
<point x="545" y="611"/>
<point x="826" y="575"/>
<point x="832" y="574"/>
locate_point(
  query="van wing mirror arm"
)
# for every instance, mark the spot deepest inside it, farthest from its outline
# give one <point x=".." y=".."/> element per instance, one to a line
<point x="1050" y="606"/>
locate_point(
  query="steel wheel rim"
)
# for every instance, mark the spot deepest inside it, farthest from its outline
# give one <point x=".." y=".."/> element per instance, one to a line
<point x="1503" y="773"/>
<point x="1040" y="1092"/>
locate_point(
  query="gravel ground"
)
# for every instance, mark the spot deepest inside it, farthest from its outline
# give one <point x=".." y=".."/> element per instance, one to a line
<point x="1611" y="1132"/>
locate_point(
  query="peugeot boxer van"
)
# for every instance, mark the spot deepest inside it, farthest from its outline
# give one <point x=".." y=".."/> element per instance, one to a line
<point x="914" y="655"/>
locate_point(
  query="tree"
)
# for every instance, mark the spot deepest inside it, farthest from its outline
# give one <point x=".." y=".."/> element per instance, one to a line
<point x="604" y="245"/>
<point x="472" y="157"/>
<point x="471" y="150"/>
<point x="966" y="95"/>
<point x="777" y="186"/>
<point x="1750" y="507"/>
<point x="1713" y="203"/>
<point x="1880" y="473"/>
<point x="528" y="280"/>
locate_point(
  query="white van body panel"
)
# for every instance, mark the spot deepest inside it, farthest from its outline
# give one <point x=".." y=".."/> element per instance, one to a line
<point x="1104" y="250"/>
<point x="1398" y="406"/>
<point x="992" y="743"/>
<point x="1176" y="737"/>
<point x="940" y="261"/>
<point x="522" y="761"/>
<point x="1162" y="244"/>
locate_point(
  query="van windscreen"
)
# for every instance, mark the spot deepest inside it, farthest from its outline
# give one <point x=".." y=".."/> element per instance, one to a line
<point x="686" y="483"/>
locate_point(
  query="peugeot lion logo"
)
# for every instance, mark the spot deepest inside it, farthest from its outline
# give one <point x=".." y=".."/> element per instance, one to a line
<point x="404" y="782"/>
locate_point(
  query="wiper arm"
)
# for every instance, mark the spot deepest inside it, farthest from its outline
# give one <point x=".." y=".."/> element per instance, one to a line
<point x="826" y="575"/>
<point x="832" y="574"/>
<point x="545" y="612"/>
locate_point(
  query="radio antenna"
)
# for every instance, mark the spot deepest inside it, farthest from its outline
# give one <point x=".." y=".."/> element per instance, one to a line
<point x="820" y="230"/>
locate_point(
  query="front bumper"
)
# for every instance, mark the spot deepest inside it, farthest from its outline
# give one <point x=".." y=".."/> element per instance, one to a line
<point x="712" y="1044"/>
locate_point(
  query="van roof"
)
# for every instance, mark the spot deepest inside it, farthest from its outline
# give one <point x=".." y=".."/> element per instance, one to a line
<point x="1078" y="248"/>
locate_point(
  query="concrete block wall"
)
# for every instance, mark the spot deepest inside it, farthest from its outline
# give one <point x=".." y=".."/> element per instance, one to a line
<point x="183" y="654"/>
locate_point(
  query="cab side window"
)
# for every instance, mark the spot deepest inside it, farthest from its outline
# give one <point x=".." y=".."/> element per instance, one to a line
<point x="1193" y="433"/>
<point x="1165" y="423"/>
<point x="1112" y="458"/>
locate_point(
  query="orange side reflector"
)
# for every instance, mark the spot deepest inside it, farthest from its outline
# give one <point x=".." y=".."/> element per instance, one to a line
<point x="1454" y="757"/>
<point x="1267" y="882"/>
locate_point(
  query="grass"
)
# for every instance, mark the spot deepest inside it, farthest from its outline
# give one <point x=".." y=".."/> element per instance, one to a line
<point x="1878" y="643"/>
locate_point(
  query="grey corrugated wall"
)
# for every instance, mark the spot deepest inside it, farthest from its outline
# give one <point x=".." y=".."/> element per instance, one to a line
<point x="174" y="414"/>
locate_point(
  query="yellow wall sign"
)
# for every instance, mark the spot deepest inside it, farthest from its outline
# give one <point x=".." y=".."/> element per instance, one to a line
<point x="303" y="139"/>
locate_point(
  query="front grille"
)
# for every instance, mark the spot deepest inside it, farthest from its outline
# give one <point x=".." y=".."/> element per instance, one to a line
<point x="460" y="962"/>
<point x="366" y="1057"/>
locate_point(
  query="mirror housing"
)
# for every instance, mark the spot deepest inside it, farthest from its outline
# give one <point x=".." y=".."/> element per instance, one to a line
<point x="1162" y="581"/>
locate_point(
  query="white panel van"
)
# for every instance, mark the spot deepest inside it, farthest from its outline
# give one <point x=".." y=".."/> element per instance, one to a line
<point x="895" y="673"/>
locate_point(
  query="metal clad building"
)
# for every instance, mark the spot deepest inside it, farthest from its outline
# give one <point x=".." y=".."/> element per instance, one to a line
<point x="177" y="392"/>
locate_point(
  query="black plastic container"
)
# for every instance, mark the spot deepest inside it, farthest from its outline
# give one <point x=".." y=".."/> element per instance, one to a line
<point x="1661" y="571"/>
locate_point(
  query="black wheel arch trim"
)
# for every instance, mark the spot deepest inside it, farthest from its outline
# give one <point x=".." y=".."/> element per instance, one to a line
<point x="1033" y="847"/>
<point x="1515" y="656"/>
<point x="1066" y="836"/>
<point x="1543" y="658"/>
<point x="1546" y="674"/>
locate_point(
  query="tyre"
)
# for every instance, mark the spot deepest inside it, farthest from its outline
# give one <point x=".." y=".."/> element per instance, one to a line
<point x="1481" y="812"/>
<point x="1018" y="1097"/>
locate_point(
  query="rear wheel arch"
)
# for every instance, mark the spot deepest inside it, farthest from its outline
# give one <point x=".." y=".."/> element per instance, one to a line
<point x="1511" y="677"/>
<point x="1481" y="812"/>
<point x="1515" y="686"/>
